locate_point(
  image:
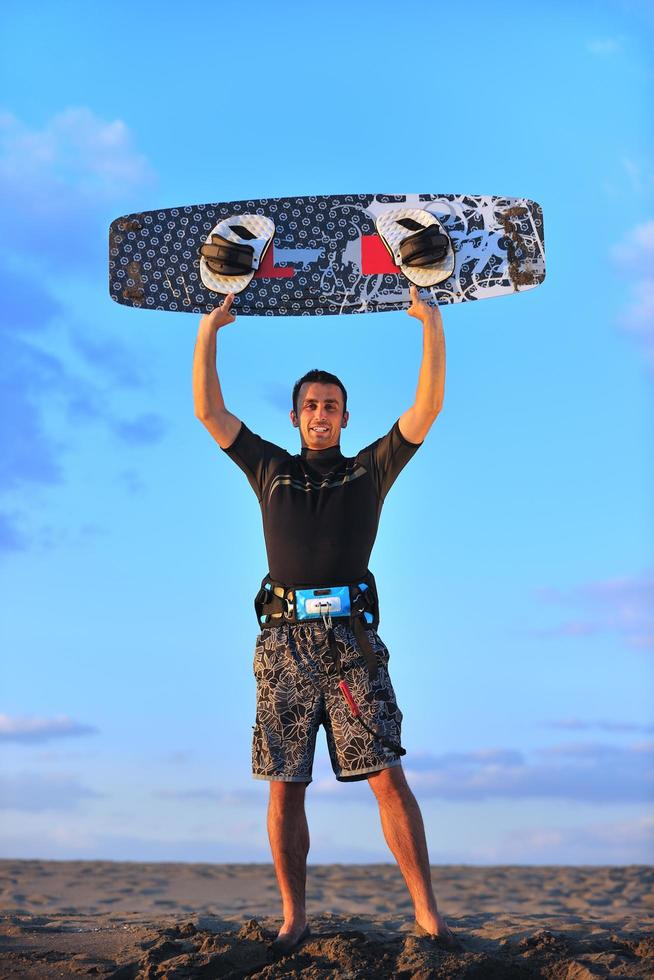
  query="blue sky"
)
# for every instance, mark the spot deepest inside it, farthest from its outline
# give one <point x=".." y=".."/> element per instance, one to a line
<point x="131" y="548"/>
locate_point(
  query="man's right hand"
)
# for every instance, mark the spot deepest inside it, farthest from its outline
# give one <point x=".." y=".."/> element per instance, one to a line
<point x="221" y="316"/>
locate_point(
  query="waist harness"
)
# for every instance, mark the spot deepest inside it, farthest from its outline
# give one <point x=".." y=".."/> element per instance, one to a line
<point x="357" y="602"/>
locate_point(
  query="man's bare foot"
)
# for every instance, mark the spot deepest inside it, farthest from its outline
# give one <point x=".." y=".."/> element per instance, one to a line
<point x="292" y="932"/>
<point x="437" y="929"/>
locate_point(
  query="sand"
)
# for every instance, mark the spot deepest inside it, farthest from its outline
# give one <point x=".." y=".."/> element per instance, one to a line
<point x="133" y="921"/>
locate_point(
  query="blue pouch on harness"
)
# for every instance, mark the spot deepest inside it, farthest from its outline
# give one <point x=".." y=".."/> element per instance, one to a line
<point x="334" y="601"/>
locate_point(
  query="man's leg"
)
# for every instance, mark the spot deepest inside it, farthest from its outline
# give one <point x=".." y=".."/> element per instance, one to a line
<point x="405" y="835"/>
<point x="288" y="833"/>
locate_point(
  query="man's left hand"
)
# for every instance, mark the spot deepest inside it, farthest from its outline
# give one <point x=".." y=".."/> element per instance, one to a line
<point x="422" y="310"/>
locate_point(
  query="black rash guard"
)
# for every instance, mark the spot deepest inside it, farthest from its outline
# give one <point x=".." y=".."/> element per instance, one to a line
<point x="320" y="509"/>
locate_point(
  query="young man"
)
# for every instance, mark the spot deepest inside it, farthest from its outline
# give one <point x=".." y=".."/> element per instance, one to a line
<point x="320" y="515"/>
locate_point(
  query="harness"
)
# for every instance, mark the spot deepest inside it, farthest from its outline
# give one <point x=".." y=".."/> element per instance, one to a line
<point x="357" y="602"/>
<point x="276" y="604"/>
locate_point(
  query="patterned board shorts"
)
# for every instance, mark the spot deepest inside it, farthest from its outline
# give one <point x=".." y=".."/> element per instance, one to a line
<point x="297" y="691"/>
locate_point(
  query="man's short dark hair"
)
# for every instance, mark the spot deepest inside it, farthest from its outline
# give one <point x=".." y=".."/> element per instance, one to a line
<point x="322" y="377"/>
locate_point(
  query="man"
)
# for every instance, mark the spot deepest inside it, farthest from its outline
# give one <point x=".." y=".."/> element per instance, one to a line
<point x="320" y="514"/>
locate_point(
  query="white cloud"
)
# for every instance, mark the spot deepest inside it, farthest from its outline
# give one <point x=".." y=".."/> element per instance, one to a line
<point x="35" y="729"/>
<point x="635" y="250"/>
<point x="74" y="149"/>
<point x="60" y="185"/>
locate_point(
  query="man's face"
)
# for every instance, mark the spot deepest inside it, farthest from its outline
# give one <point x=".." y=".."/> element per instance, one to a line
<point x="320" y="415"/>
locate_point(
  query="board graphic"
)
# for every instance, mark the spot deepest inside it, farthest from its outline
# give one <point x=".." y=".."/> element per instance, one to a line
<point x="326" y="255"/>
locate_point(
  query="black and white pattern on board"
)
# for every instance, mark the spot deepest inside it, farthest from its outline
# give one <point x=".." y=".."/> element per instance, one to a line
<point x="316" y="263"/>
<point x="297" y="691"/>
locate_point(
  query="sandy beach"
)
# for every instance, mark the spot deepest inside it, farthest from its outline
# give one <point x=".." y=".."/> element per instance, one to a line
<point x="133" y="921"/>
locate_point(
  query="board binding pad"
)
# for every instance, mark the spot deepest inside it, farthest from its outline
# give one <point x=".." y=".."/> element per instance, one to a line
<point x="251" y="234"/>
<point x="326" y="255"/>
<point x="402" y="231"/>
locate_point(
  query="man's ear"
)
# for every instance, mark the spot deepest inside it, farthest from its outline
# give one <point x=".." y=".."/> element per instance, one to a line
<point x="346" y="416"/>
<point x="294" y="420"/>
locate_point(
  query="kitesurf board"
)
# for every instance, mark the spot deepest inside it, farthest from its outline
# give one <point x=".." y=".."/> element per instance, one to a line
<point x="323" y="254"/>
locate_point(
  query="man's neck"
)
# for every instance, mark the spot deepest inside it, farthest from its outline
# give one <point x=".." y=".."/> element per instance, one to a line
<point x="329" y="452"/>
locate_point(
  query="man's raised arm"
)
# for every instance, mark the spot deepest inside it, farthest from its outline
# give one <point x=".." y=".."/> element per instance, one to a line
<point x="417" y="420"/>
<point x="207" y="396"/>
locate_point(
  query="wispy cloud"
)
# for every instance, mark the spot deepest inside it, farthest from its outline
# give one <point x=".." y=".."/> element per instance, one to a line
<point x="59" y="185"/>
<point x="606" y="842"/>
<point x="624" y="606"/>
<point x="278" y="395"/>
<point x="639" y="173"/>
<point x="209" y="794"/>
<point x="37" y="729"/>
<point x="604" y="46"/>
<point x="43" y="398"/>
<point x="109" y="358"/>
<point x="27" y="374"/>
<point x="74" y="147"/>
<point x="637" y="318"/>
<point x="27" y="305"/>
<point x="179" y="757"/>
<point x="633" y="255"/>
<point x="60" y="841"/>
<point x="57" y="182"/>
<point x="143" y="430"/>
<point x="11" y="536"/>
<point x="635" y="250"/>
<point x="583" y="772"/>
<point x="34" y="793"/>
<point x="577" y="725"/>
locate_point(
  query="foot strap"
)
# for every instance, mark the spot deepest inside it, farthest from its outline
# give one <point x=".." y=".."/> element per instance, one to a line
<point x="227" y="258"/>
<point x="427" y="246"/>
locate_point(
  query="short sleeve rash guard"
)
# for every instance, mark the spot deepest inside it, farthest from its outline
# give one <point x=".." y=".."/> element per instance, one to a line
<point x="320" y="509"/>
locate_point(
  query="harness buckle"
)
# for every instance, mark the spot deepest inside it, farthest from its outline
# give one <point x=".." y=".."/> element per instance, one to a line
<point x="325" y="612"/>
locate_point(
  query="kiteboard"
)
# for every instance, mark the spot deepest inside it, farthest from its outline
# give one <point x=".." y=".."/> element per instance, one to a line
<point x="349" y="253"/>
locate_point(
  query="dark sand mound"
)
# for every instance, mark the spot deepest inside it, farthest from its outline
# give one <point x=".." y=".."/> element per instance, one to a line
<point x="341" y="947"/>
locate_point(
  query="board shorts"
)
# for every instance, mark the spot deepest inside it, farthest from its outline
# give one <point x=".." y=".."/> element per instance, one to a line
<point x="297" y="692"/>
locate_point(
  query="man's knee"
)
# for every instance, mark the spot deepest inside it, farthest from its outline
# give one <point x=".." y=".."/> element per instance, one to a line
<point x="389" y="782"/>
<point x="287" y="794"/>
